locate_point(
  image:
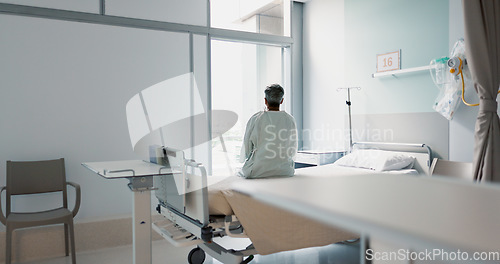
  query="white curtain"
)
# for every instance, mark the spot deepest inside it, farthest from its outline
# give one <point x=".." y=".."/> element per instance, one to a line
<point x="482" y="38"/>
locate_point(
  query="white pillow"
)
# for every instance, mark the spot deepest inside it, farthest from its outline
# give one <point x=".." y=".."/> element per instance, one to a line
<point x="366" y="159"/>
<point x="378" y="160"/>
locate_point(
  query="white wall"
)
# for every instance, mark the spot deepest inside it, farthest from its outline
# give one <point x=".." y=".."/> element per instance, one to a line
<point x="183" y="12"/>
<point x="64" y="90"/>
<point x="341" y="41"/>
<point x="191" y="12"/>
<point x="322" y="75"/>
<point x="89" y="6"/>
<point x="297" y="67"/>
<point x="323" y="70"/>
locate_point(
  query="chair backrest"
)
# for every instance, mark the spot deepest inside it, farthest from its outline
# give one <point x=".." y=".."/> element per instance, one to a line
<point x="31" y="177"/>
<point x="456" y="169"/>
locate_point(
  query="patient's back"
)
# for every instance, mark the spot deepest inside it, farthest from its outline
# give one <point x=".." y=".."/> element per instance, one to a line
<point x="273" y="136"/>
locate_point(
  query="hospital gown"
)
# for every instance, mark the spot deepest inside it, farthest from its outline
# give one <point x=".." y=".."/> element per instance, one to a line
<point x="269" y="145"/>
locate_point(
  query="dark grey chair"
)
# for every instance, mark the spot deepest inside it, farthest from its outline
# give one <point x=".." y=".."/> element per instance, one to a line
<point x="32" y="177"/>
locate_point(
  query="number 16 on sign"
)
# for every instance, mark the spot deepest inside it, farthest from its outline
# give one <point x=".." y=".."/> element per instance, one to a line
<point x="389" y="61"/>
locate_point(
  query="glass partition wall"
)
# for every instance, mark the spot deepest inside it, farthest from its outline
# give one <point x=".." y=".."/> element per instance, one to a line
<point x="230" y="49"/>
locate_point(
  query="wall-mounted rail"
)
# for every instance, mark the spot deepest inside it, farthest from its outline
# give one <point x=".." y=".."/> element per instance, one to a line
<point x="396" y="72"/>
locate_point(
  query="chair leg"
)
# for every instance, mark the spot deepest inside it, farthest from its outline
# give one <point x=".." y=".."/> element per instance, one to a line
<point x="66" y="240"/>
<point x="8" y="245"/>
<point x="72" y="237"/>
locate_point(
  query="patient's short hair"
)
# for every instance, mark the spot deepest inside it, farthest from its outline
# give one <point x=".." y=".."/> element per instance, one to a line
<point x="274" y="94"/>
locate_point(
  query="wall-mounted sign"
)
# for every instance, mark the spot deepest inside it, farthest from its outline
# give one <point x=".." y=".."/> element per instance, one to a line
<point x="389" y="61"/>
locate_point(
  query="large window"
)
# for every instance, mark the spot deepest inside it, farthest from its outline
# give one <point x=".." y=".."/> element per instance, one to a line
<point x="258" y="16"/>
<point x="240" y="73"/>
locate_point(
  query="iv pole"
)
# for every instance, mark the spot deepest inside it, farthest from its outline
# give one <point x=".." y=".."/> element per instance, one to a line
<point x="348" y="103"/>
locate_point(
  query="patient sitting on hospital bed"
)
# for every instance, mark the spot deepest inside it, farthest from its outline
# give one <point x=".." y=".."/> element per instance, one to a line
<point x="270" y="141"/>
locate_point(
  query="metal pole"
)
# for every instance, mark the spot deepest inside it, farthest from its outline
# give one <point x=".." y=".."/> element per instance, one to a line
<point x="102" y="7"/>
<point x="192" y="93"/>
<point x="348" y="102"/>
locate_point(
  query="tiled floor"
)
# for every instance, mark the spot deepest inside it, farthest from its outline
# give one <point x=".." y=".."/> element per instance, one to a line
<point x="164" y="253"/>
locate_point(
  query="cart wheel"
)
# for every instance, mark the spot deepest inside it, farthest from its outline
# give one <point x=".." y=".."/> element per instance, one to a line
<point x="196" y="256"/>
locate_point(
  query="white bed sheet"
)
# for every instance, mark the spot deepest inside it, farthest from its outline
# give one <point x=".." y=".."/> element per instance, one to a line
<point x="272" y="230"/>
<point x="218" y="204"/>
<point x="330" y="170"/>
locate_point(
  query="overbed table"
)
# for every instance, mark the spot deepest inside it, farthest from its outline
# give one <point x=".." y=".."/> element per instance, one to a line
<point x="140" y="174"/>
<point x="418" y="212"/>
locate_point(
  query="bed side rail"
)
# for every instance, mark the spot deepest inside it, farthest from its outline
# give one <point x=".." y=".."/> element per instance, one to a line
<point x="422" y="152"/>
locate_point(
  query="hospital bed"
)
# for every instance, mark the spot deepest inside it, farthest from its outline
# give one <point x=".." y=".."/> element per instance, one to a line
<point x="199" y="210"/>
